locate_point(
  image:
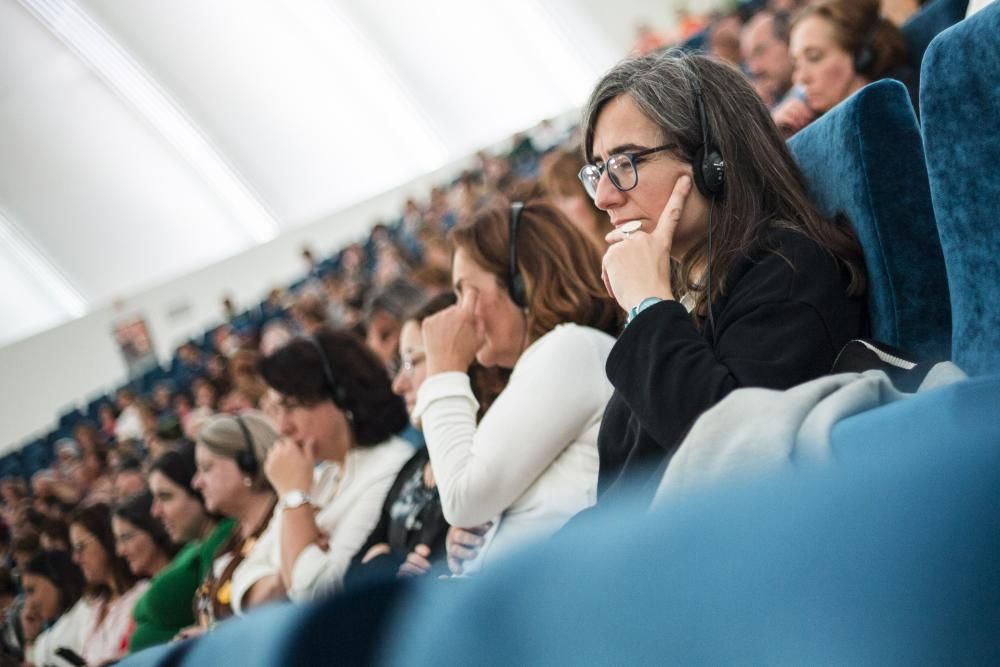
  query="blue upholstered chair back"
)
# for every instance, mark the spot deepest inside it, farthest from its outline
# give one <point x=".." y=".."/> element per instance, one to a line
<point x="865" y="159"/>
<point x="925" y="25"/>
<point x="960" y="97"/>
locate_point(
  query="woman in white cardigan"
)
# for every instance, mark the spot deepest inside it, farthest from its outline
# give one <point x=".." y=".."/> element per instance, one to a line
<point x="530" y="299"/>
<point x="336" y="462"/>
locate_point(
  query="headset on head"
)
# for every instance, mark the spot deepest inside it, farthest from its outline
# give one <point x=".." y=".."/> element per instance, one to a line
<point x="708" y="165"/>
<point x="865" y="56"/>
<point x="246" y="460"/>
<point x="337" y="391"/>
<point x="709" y="170"/>
<point x="516" y="287"/>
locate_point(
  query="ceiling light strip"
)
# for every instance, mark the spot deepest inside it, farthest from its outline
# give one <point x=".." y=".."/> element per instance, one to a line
<point x="75" y="28"/>
<point x="42" y="269"/>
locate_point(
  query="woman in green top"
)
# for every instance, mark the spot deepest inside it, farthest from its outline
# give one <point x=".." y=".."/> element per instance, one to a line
<point x="167" y="607"/>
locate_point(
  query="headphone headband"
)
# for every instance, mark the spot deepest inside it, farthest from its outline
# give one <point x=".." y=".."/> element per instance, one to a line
<point x="709" y="167"/>
<point x="516" y="287"/>
<point x="247" y="461"/>
<point x="337" y="391"/>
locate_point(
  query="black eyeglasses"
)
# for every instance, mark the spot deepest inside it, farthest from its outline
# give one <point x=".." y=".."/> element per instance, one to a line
<point x="621" y="168"/>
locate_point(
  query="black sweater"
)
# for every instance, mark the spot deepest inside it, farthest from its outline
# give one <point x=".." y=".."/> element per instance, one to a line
<point x="784" y="318"/>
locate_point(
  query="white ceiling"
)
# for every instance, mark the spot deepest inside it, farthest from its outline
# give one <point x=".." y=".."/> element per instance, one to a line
<point x="141" y="139"/>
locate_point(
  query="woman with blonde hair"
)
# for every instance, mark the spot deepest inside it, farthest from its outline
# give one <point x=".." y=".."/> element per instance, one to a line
<point x="230" y="454"/>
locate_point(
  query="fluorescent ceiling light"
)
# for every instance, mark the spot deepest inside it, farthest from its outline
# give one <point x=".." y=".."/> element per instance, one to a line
<point x="36" y="264"/>
<point x="106" y="58"/>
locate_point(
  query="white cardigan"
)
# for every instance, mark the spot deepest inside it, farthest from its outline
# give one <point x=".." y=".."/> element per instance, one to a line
<point x="346" y="511"/>
<point x="69" y="631"/>
<point x="533" y="458"/>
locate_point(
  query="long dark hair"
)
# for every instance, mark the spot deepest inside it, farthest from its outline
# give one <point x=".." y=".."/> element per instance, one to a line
<point x="136" y="511"/>
<point x="764" y="187"/>
<point x="59" y="568"/>
<point x="96" y="520"/>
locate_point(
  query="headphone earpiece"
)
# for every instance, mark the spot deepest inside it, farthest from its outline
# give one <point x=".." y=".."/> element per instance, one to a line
<point x="864" y="59"/>
<point x="708" y="165"/>
<point x="246" y="460"/>
<point x="709" y="171"/>
<point x="516" y="287"/>
<point x="337" y="391"/>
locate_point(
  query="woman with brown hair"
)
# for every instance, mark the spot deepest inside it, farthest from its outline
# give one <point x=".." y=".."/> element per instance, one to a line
<point x="530" y="299"/>
<point x="558" y="179"/>
<point x="729" y="275"/>
<point x="838" y="47"/>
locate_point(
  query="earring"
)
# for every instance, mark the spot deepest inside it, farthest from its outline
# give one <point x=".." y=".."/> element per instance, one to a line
<point x="247" y="482"/>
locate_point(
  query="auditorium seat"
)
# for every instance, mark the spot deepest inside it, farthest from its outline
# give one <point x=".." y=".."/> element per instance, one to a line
<point x="70" y="418"/>
<point x="960" y="98"/>
<point x="35" y="456"/>
<point x="922" y="27"/>
<point x="886" y="556"/>
<point x="10" y="465"/>
<point x="865" y="159"/>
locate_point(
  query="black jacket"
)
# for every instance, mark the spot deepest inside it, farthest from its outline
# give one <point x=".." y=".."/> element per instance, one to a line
<point x="782" y="321"/>
<point x="431" y="529"/>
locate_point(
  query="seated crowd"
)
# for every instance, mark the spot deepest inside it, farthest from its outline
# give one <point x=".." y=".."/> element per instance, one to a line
<point x="533" y="343"/>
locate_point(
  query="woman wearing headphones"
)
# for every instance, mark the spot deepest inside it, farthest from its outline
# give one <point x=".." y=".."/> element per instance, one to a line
<point x="529" y="299"/>
<point x="838" y="47"/>
<point x="336" y="462"/>
<point x="230" y="453"/>
<point x="728" y="274"/>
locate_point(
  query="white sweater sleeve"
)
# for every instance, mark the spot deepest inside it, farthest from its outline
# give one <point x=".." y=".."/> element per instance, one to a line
<point x="552" y="397"/>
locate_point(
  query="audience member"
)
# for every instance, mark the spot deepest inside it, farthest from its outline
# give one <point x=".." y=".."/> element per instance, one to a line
<point x="230" y="452"/>
<point x="26" y="544"/>
<point x="647" y="40"/>
<point x="384" y="314"/>
<point x="67" y="457"/>
<point x="530" y="300"/>
<point x="93" y="477"/>
<point x="167" y="607"/>
<point x="130" y="480"/>
<point x="139" y="538"/>
<point x="764" y="46"/>
<point x="54" y="535"/>
<point x="410" y="535"/>
<point x="11" y="606"/>
<point x="53" y="591"/>
<point x="558" y="179"/>
<point x="839" y="46"/>
<point x="128" y="425"/>
<point x="724" y="37"/>
<point x="767" y="300"/>
<point x="899" y="11"/>
<point x="113" y="587"/>
<point x="107" y="418"/>
<point x="336" y="462"/>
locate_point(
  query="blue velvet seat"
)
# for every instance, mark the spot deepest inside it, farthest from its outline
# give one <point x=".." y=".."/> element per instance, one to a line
<point x="925" y="25"/>
<point x="960" y="97"/>
<point x="864" y="158"/>
<point x="886" y="556"/>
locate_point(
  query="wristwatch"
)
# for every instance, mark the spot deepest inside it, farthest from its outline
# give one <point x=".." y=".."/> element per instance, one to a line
<point x="293" y="499"/>
<point x="643" y="305"/>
